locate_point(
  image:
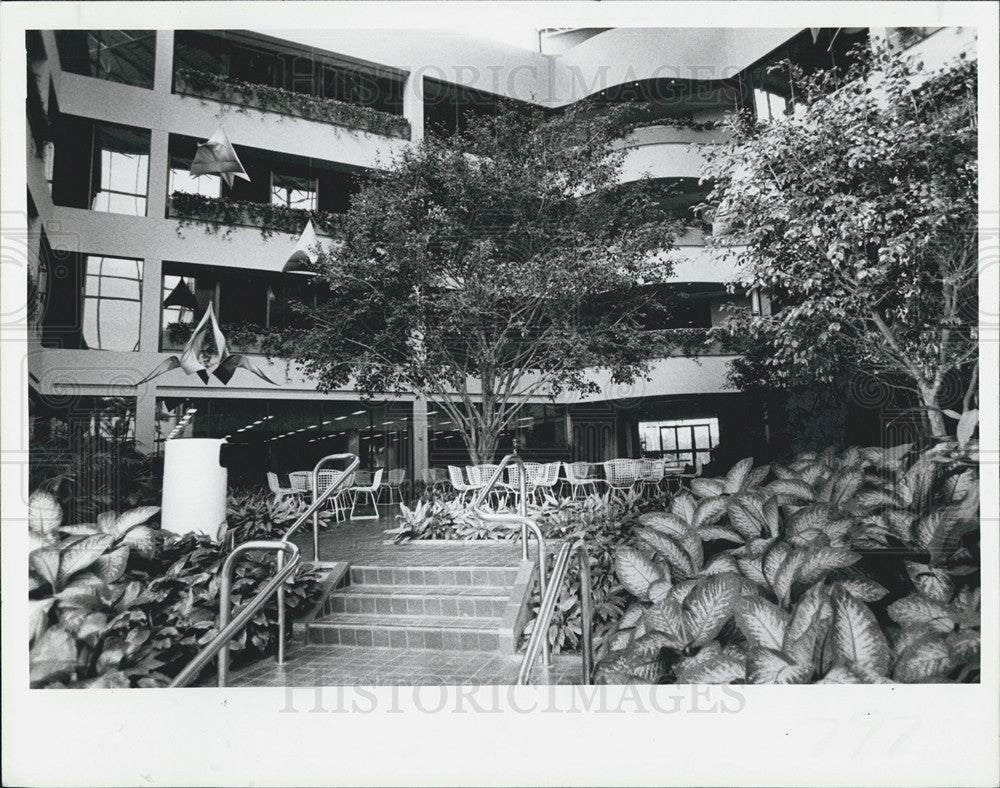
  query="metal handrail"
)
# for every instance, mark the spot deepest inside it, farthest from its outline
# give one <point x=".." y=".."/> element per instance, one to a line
<point x="521" y="519"/>
<point x="228" y="629"/>
<point x="539" y="635"/>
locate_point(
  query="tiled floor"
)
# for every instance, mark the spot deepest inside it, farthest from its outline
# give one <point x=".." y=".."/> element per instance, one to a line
<point x="329" y="666"/>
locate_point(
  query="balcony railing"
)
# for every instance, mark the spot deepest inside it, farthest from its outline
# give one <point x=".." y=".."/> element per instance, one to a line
<point x="215" y="213"/>
<point x="189" y="82"/>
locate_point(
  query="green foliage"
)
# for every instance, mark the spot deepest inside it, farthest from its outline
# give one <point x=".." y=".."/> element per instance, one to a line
<point x="508" y="254"/>
<point x="117" y="603"/>
<point x="288" y="102"/>
<point x="217" y="214"/>
<point x="857" y="217"/>
<point x="255" y="514"/>
<point x="854" y="567"/>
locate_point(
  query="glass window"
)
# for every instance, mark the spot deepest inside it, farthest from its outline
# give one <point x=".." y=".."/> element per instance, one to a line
<point x="126" y="56"/>
<point x="681" y="440"/>
<point x="181" y="180"/>
<point x="293" y="192"/>
<point x="112" y="301"/>
<point x="120" y="170"/>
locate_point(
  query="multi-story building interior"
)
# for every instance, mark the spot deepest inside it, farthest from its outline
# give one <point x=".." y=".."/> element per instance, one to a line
<point x="128" y="248"/>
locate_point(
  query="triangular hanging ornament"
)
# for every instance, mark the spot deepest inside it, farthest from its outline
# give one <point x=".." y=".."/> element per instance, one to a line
<point x="304" y="251"/>
<point x="815" y="33"/>
<point x="218" y="156"/>
<point x="182" y="296"/>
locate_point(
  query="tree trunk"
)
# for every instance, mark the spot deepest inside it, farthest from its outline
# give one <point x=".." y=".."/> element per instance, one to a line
<point x="935" y="419"/>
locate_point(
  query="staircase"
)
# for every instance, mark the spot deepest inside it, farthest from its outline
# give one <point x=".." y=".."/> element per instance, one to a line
<point x="453" y="608"/>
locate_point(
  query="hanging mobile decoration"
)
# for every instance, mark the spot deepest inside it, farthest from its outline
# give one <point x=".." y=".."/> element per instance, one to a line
<point x="217" y="156"/>
<point x="203" y="362"/>
<point x="304" y="251"/>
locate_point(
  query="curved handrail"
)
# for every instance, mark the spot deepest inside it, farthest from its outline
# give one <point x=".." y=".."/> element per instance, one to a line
<point x="539" y="635"/>
<point x="228" y="629"/>
<point x="521" y="519"/>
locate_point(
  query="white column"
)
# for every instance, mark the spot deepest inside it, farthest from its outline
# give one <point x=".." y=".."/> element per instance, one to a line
<point x="413" y="105"/>
<point x="421" y="453"/>
<point x="145" y="420"/>
<point x="159" y="166"/>
<point x="149" y="314"/>
<point x="163" y="73"/>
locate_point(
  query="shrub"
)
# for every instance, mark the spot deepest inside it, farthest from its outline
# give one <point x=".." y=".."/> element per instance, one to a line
<point x="857" y="567"/>
<point x="119" y="604"/>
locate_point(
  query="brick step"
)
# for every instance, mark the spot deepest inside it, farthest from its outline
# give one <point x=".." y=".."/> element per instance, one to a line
<point x="485" y="576"/>
<point x="470" y="633"/>
<point x="461" y="601"/>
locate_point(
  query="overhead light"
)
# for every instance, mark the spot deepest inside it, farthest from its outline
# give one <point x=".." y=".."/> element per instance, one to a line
<point x="359" y="413"/>
<point x="340" y="418"/>
<point x="328" y="422"/>
<point x="432" y="413"/>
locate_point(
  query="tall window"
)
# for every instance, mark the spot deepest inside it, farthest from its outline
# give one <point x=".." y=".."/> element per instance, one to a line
<point x="112" y="300"/>
<point x="181" y="180"/>
<point x="293" y="192"/>
<point x="120" y="169"/>
<point x="680" y="440"/>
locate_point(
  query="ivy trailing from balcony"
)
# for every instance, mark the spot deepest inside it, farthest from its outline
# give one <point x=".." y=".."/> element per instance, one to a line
<point x="288" y="102"/>
<point x="216" y="214"/>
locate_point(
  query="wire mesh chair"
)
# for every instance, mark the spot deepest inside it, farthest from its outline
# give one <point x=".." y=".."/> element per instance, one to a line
<point x="367" y="485"/>
<point x="547" y="479"/>
<point x="458" y="483"/>
<point x="280" y="493"/>
<point x="581" y="478"/>
<point x="621" y="475"/>
<point x="394" y="482"/>
<point x="339" y="500"/>
<point x="651" y="472"/>
<point x="481" y="474"/>
<point x="434" y="478"/>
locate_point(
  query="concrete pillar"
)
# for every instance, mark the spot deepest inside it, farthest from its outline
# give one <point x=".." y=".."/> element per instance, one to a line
<point x="159" y="168"/>
<point x="421" y="452"/>
<point x="163" y="69"/>
<point x="413" y="105"/>
<point x="149" y="315"/>
<point x="145" y="420"/>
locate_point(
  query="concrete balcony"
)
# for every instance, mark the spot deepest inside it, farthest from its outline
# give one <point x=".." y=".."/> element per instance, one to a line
<point x="664" y="151"/>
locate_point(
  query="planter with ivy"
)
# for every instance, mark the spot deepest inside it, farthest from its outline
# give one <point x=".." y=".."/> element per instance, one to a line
<point x="216" y="214"/>
<point x="228" y="90"/>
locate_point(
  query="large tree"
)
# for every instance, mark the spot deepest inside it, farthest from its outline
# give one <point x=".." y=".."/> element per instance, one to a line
<point x="496" y="265"/>
<point x="857" y="215"/>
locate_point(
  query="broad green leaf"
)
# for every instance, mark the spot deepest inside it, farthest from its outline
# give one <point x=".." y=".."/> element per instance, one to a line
<point x="45" y="561"/>
<point x="106" y="522"/>
<point x="92" y="628"/>
<point x="38" y="617"/>
<point x="83" y="529"/>
<point x="683" y="506"/>
<point x="863" y="588"/>
<point x="723" y="562"/>
<point x="659" y="589"/>
<point x="791" y="488"/>
<point x="772" y="560"/>
<point x="751" y="569"/>
<point x="746" y="514"/>
<point x="707" y="488"/>
<point x="130" y="519"/>
<point x="845" y="485"/>
<point x="650" y="644"/>
<point x="664" y="522"/>
<point x="900" y="523"/>
<point x="737" y="475"/>
<point x="111" y="566"/>
<point x="681" y="590"/>
<point x="820" y="560"/>
<point x="691" y="542"/>
<point x="965" y="645"/>
<point x="666" y="617"/>
<point x="768" y="666"/>
<point x="926" y="659"/>
<point x="114" y="680"/>
<point x="786" y="574"/>
<point x="709" y="606"/>
<point x="717" y="669"/>
<point x="632" y="614"/>
<point x="621" y="639"/>
<point x="917" y="609"/>
<point x="52" y="656"/>
<point x="762" y="623"/>
<point x="635" y="571"/>
<point x="671" y="549"/>
<point x="840" y="674"/>
<point x="81" y="555"/>
<point x="708" y="533"/>
<point x="857" y="636"/>
<point x="813" y="606"/>
<point x="934" y="583"/>
<point x="709" y="511"/>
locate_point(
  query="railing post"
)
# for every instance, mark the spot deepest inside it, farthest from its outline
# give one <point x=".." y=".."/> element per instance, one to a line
<point x="586" y="614"/>
<point x="225" y="603"/>
<point x="281" y="610"/>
